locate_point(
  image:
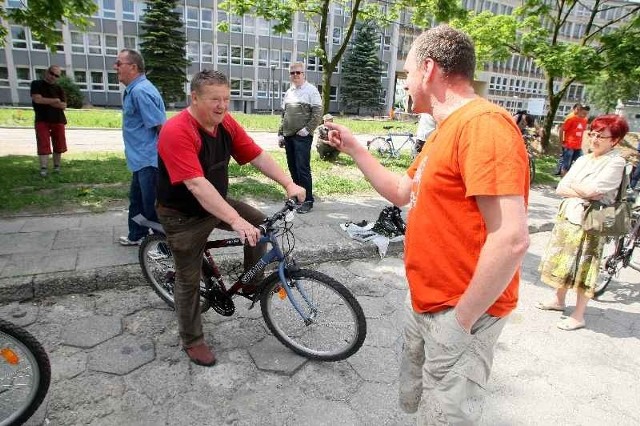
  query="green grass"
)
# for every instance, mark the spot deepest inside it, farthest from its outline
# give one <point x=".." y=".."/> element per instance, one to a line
<point x="112" y="119"/>
<point x="546" y="166"/>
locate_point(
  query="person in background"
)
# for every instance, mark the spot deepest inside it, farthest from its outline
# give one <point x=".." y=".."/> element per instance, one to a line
<point x="426" y="126"/>
<point x="572" y="258"/>
<point x="143" y="115"/>
<point x="325" y="151"/>
<point x="195" y="148"/>
<point x="574" y="111"/>
<point x="471" y="211"/>
<point x="571" y="133"/>
<point x="302" y="109"/>
<point x="49" y="102"/>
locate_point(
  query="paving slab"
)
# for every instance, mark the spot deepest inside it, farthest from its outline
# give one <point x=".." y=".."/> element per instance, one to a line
<point x="90" y="331"/>
<point x="83" y="237"/>
<point x="11" y="226"/>
<point x="26" y="242"/>
<point x="106" y="255"/>
<point x="40" y="262"/>
<point x="51" y="223"/>
<point x="122" y="354"/>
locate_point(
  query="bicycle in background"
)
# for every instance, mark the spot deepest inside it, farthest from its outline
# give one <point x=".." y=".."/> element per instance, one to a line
<point x="25" y="374"/>
<point x="385" y="146"/>
<point x="307" y="311"/>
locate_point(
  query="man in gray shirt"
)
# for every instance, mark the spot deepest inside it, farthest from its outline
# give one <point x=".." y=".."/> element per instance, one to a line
<point x="302" y="111"/>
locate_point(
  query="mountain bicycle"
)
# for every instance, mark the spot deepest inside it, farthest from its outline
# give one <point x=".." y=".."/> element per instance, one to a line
<point x="384" y="146"/>
<point x="309" y="312"/>
<point x="617" y="253"/>
<point x="25" y="374"/>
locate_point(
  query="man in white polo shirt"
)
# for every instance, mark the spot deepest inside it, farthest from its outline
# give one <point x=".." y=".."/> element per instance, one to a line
<point x="302" y="111"/>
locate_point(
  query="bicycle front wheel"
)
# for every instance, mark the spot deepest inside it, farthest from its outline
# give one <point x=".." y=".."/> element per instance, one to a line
<point x="158" y="268"/>
<point x="25" y="374"/>
<point x="334" y="327"/>
<point x="380" y="146"/>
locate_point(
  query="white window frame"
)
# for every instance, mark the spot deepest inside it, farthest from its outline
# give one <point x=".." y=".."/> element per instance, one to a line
<point x="336" y="38"/>
<point x="25" y="81"/>
<point x="192" y="17"/>
<point x="286" y="59"/>
<point x="4" y="77"/>
<point x="77" y="47"/>
<point x="247" y="88"/>
<point x="222" y="54"/>
<point x="35" y="44"/>
<point x="247" y="56"/>
<point x="263" y="57"/>
<point x="274" y="58"/>
<point x="237" y="59"/>
<point x="128" y="40"/>
<point x="193" y="51"/>
<point x="262" y="90"/>
<point x="303" y="28"/>
<point x="96" y="86"/>
<point x="108" y="13"/>
<point x="94" y="49"/>
<point x="249" y="24"/>
<point x="81" y="84"/>
<point x="18" y="43"/>
<point x="113" y="49"/>
<point x="235" y="85"/>
<point x="235" y="24"/>
<point x="263" y="26"/>
<point x="128" y="15"/>
<point x="206" y="19"/>
<point x="208" y="57"/>
<point x="112" y="86"/>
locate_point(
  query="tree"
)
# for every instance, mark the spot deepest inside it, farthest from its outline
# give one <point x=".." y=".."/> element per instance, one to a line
<point x="318" y="14"/>
<point x="163" y="49"/>
<point x="362" y="70"/>
<point x="538" y="31"/>
<point x="44" y="17"/>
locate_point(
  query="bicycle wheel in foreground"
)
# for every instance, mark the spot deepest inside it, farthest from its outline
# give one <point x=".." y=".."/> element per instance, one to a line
<point x="380" y="146"/>
<point x="336" y="328"/>
<point x="25" y="374"/>
<point x="611" y="263"/>
<point x="159" y="269"/>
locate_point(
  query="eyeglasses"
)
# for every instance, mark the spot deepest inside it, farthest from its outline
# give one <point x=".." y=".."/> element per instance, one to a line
<point x="118" y="63"/>
<point x="295" y="72"/>
<point x="54" y="74"/>
<point x="596" y="135"/>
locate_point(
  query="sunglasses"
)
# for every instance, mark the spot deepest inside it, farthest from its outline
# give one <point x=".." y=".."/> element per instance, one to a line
<point x="118" y="63"/>
<point x="54" y="74"/>
<point x="296" y="72"/>
<point x="596" y="135"/>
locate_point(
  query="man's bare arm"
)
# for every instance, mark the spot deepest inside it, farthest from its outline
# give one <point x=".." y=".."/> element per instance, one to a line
<point x="266" y="164"/>
<point x="54" y="102"/>
<point x="506" y="244"/>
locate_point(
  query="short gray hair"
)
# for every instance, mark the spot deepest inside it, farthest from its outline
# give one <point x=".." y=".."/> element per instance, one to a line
<point x="135" y="57"/>
<point x="296" y="65"/>
<point x="208" y="78"/>
<point x="451" y="49"/>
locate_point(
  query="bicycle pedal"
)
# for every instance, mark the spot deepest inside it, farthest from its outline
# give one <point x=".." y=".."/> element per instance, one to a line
<point x="221" y="302"/>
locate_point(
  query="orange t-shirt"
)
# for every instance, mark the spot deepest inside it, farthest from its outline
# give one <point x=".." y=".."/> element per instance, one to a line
<point x="573" y="128"/>
<point x="477" y="150"/>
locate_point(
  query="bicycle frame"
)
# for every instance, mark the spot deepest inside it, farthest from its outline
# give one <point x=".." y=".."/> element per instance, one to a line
<point x="396" y="152"/>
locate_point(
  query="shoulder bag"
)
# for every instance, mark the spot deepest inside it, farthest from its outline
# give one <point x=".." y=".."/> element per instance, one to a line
<point x="609" y="220"/>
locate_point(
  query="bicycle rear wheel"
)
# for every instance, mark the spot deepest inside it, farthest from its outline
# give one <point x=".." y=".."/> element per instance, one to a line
<point x="611" y="263"/>
<point x="336" y="327"/>
<point x="159" y="269"/>
<point x="380" y="146"/>
<point x="25" y="374"/>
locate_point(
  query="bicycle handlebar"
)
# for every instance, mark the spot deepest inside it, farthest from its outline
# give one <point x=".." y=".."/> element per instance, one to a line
<point x="289" y="205"/>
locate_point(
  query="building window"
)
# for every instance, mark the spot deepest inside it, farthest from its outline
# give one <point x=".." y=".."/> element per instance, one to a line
<point x="4" y="77"/>
<point x="18" y="37"/>
<point x="223" y="54"/>
<point x="110" y="45"/>
<point x="262" y="91"/>
<point x="77" y="42"/>
<point x="109" y="9"/>
<point x="263" y="57"/>
<point x="24" y="77"/>
<point x="206" y="52"/>
<point x="236" y="55"/>
<point x="337" y="35"/>
<point x="384" y="69"/>
<point x="235" y="87"/>
<point x="39" y="73"/>
<point x="247" y="88"/>
<point x="37" y="45"/>
<point x="248" y="56"/>
<point x="15" y="4"/>
<point x="333" y="93"/>
<point x="236" y="24"/>
<point x="94" y="43"/>
<point x="130" y="42"/>
<point x="113" y="85"/>
<point x="302" y="30"/>
<point x="263" y="26"/>
<point x="80" y="77"/>
<point x="97" y="81"/>
<point x="206" y="19"/>
<point x="192" y="51"/>
<point x="275" y="58"/>
<point x="222" y="17"/>
<point x="314" y="64"/>
<point x="249" y="24"/>
<point x="128" y="10"/>
<point x="192" y="17"/>
<point x="286" y="59"/>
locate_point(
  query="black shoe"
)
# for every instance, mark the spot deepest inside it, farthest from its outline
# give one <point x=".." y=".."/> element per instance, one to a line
<point x="305" y="207"/>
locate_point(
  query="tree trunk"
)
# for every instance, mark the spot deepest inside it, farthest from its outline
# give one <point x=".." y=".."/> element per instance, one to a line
<point x="326" y="89"/>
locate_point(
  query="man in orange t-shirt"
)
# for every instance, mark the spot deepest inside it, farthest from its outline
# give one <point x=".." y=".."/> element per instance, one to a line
<point x="571" y="133"/>
<point x="466" y="230"/>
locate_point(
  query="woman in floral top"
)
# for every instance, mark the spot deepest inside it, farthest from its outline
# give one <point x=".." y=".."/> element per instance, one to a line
<point x="572" y="257"/>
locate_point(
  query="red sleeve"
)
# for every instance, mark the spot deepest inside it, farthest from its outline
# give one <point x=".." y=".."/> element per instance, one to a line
<point x="243" y="148"/>
<point x="178" y="147"/>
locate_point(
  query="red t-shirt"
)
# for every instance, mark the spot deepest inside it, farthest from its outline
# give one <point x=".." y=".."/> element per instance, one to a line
<point x="179" y="144"/>
<point x="477" y="150"/>
<point x="573" y="128"/>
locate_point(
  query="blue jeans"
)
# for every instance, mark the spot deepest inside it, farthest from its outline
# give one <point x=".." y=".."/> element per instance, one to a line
<point x="142" y="200"/>
<point x="569" y="156"/>
<point x="298" y="150"/>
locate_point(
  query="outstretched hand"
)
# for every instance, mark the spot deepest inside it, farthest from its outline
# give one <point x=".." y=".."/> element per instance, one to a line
<point x="246" y="231"/>
<point x="342" y="139"/>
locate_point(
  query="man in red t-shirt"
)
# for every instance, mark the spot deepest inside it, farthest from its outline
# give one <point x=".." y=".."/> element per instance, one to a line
<point x="571" y="133"/>
<point x="194" y="150"/>
<point x="466" y="229"/>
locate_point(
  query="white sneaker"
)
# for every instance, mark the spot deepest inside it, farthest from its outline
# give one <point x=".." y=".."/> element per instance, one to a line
<point x="43" y="172"/>
<point x="127" y="242"/>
